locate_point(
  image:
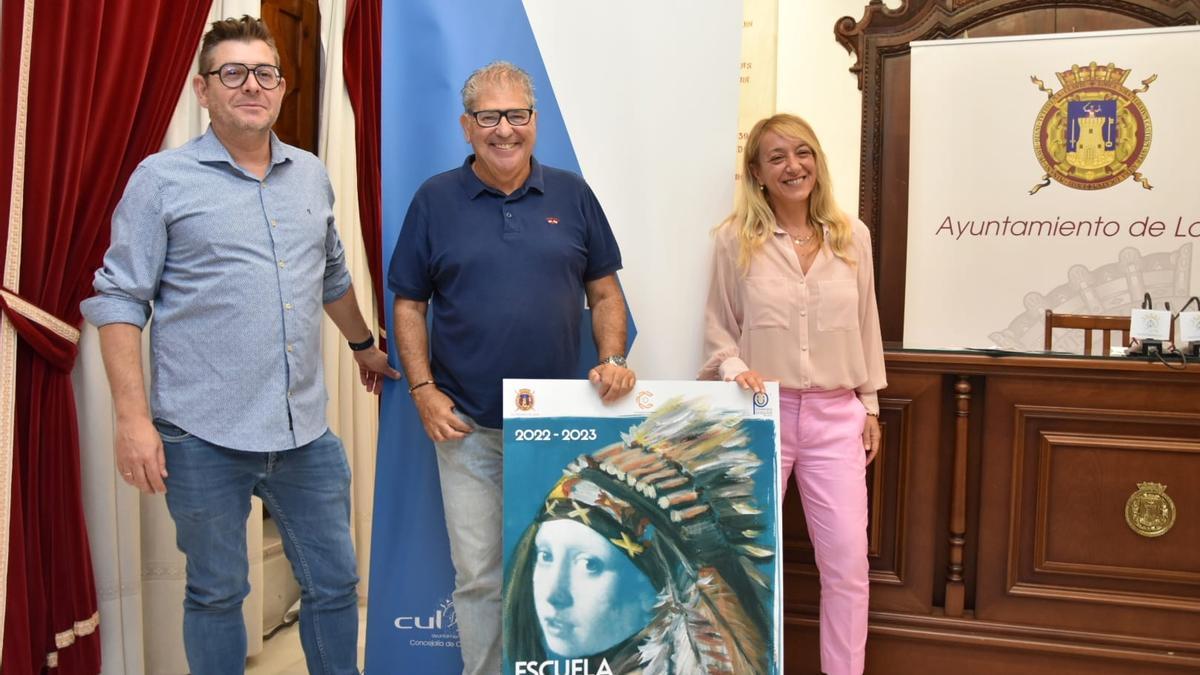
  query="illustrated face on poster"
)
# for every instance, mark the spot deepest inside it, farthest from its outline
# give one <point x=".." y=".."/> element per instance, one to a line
<point x="588" y="595"/>
<point x="641" y="537"/>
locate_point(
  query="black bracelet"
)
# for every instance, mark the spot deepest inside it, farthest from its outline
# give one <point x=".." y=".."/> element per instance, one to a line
<point x="365" y="344"/>
<point x="418" y="386"/>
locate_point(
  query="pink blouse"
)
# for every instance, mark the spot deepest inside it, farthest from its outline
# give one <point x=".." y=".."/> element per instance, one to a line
<point x="808" y="331"/>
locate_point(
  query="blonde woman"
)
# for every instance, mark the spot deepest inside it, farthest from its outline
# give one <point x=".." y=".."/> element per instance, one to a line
<point x="793" y="299"/>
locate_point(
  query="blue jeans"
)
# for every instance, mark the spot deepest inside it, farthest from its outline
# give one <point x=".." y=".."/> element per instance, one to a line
<point x="471" y="471"/>
<point x="307" y="491"/>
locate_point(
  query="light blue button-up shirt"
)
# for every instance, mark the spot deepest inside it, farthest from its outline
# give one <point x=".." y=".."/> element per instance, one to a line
<point x="238" y="270"/>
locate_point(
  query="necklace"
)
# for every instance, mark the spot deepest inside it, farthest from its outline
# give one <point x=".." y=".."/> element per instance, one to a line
<point x="800" y="241"/>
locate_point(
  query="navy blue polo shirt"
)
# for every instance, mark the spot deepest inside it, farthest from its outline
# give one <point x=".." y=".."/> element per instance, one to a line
<point x="504" y="276"/>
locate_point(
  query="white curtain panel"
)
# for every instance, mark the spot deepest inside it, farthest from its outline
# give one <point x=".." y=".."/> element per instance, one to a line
<point x="139" y="571"/>
<point x="353" y="413"/>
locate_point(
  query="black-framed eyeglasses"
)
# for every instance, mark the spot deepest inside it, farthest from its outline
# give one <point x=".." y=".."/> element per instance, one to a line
<point x="233" y="75"/>
<point x="518" y="117"/>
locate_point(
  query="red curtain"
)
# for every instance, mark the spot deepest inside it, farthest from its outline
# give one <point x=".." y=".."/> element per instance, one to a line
<point x="362" y="63"/>
<point x="104" y="80"/>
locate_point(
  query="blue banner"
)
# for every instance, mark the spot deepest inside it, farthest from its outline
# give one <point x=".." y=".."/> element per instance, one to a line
<point x="429" y="49"/>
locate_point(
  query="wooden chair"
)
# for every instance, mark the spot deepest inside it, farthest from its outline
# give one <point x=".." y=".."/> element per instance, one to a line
<point x="1088" y="323"/>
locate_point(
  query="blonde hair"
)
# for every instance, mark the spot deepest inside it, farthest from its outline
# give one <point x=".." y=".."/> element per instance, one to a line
<point x="752" y="215"/>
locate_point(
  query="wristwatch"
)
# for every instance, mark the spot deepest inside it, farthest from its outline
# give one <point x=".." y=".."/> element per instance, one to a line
<point x="364" y="345"/>
<point x="615" y="359"/>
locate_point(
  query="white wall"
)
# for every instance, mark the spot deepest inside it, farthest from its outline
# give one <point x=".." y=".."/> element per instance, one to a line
<point x="815" y="82"/>
<point x="651" y="123"/>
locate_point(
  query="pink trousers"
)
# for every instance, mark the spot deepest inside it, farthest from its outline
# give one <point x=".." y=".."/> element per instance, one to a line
<point x="822" y="446"/>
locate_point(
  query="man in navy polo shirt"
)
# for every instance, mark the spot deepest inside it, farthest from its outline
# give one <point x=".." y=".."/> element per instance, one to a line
<point x="506" y="249"/>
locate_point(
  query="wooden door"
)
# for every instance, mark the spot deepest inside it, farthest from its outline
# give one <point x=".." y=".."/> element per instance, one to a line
<point x="296" y="25"/>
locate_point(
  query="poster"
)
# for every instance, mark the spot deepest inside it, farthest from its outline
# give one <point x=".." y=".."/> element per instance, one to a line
<point x="641" y="537"/>
<point x="1049" y="172"/>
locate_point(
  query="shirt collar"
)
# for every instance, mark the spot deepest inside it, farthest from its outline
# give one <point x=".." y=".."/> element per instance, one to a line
<point x="280" y="152"/>
<point x="473" y="187"/>
<point x="210" y="149"/>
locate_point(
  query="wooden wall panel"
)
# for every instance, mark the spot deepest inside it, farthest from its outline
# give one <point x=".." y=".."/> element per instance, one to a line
<point x="1084" y="481"/>
<point x="1059" y="475"/>
<point x="926" y="650"/>
<point x="891" y="250"/>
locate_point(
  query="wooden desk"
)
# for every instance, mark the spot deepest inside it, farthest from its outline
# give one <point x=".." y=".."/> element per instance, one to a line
<point x="998" y="534"/>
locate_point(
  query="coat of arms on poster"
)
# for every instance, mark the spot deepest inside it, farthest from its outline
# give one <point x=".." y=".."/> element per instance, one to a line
<point x="1094" y="132"/>
<point x="641" y="536"/>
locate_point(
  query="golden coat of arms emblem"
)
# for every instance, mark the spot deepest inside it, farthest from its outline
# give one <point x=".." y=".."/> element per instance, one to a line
<point x="1094" y="132"/>
<point x="525" y="400"/>
<point x="1149" y="511"/>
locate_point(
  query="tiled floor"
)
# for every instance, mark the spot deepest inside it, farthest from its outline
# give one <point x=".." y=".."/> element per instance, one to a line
<point x="281" y="655"/>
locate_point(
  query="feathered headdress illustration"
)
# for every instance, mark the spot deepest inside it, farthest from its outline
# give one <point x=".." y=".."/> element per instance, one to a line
<point x="676" y="495"/>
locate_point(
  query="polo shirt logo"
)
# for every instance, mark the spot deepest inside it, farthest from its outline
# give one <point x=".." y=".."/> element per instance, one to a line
<point x="552" y="220"/>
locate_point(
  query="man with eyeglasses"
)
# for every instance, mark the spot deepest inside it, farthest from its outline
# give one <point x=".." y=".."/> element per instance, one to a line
<point x="502" y="251"/>
<point x="232" y="239"/>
